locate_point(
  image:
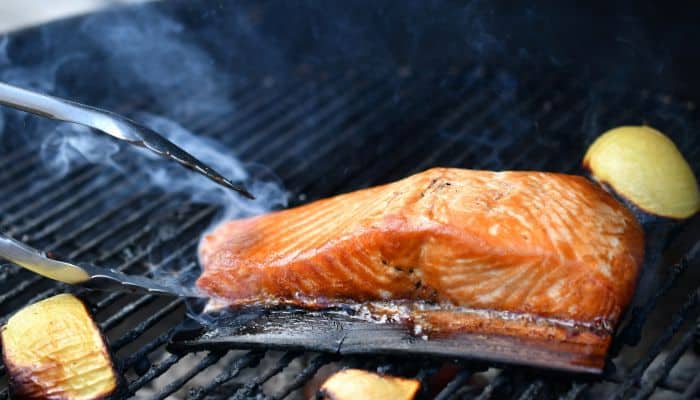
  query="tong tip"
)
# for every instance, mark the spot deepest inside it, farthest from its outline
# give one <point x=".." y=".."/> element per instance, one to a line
<point x="240" y="189"/>
<point x="165" y="148"/>
<point x="218" y="178"/>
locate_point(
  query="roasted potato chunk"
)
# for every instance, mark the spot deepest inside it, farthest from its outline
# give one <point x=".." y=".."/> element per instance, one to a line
<point x="351" y="384"/>
<point x="645" y="167"/>
<point x="53" y="350"/>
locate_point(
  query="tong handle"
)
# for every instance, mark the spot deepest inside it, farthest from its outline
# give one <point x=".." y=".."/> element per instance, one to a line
<point x="35" y="103"/>
<point x="64" y="110"/>
<point x="34" y="260"/>
<point x="89" y="276"/>
<point x="110" y="123"/>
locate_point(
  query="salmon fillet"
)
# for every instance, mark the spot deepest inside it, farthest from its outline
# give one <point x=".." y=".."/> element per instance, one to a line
<point x="541" y="244"/>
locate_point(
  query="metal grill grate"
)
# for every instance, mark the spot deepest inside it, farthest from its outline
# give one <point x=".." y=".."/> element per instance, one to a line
<point x="325" y="136"/>
<point x="325" y="131"/>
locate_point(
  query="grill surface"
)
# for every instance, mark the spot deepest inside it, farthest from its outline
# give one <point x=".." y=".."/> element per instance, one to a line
<point x="325" y="131"/>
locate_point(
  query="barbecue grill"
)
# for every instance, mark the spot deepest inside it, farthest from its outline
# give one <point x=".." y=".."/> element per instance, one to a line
<point x="324" y="125"/>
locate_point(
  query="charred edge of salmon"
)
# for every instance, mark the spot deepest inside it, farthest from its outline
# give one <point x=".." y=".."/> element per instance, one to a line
<point x="599" y="327"/>
<point x="554" y="343"/>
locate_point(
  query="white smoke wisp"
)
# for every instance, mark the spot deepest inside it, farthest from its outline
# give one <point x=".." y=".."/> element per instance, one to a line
<point x="150" y="50"/>
<point x="143" y="57"/>
<point x="4" y="41"/>
<point x="260" y="181"/>
<point x="149" y="53"/>
<point x="69" y="146"/>
<point x="4" y="60"/>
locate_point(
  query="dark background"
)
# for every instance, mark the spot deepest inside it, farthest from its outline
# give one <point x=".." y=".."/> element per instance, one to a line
<point x="653" y="45"/>
<point x="646" y="45"/>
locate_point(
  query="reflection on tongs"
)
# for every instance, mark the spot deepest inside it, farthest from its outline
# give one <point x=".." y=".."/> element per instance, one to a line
<point x="86" y="275"/>
<point x="110" y="123"/>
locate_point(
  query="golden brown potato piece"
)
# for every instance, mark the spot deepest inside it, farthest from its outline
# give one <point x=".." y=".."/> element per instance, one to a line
<point x="645" y="167"/>
<point x="53" y="349"/>
<point x="352" y="384"/>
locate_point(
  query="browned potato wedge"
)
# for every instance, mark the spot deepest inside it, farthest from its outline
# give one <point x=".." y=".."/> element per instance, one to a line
<point x="53" y="349"/>
<point x="646" y="168"/>
<point x="352" y="384"/>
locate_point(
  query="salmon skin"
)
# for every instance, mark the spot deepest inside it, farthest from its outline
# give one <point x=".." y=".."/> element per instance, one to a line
<point x="534" y="251"/>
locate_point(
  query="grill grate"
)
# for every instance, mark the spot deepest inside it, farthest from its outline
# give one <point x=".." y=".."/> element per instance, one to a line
<point x="325" y="132"/>
<point x="322" y="137"/>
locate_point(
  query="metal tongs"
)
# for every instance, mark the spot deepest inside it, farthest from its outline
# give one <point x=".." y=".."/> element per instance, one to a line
<point x="110" y="123"/>
<point x="86" y="275"/>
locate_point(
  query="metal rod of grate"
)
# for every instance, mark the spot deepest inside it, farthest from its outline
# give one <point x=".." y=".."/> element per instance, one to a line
<point x="653" y="379"/>
<point x="364" y="104"/>
<point x="251" y="387"/>
<point x="678" y="319"/>
<point x="455" y="384"/>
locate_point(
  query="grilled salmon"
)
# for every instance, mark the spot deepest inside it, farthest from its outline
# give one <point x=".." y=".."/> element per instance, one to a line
<point x="545" y="245"/>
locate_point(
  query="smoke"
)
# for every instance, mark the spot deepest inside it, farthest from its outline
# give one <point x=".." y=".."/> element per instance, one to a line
<point x="152" y="52"/>
<point x="142" y="54"/>
<point x="259" y="180"/>
<point x="149" y="50"/>
<point x="141" y="51"/>
<point x="70" y="146"/>
<point x="481" y="36"/>
<point x="4" y="40"/>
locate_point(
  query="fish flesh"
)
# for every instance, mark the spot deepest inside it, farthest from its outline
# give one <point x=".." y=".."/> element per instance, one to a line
<point x="525" y="246"/>
<point x="527" y="267"/>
